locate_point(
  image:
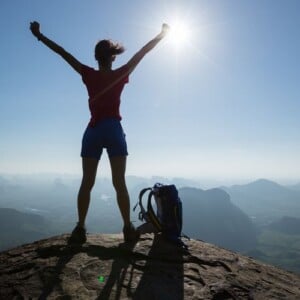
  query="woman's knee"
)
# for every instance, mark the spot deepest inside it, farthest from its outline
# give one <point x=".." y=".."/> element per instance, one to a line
<point x="119" y="185"/>
<point x="87" y="183"/>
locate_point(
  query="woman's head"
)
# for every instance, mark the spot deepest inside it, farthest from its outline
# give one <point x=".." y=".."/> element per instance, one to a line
<point x="106" y="51"/>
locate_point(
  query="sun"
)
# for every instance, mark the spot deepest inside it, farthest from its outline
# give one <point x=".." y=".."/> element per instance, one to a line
<point x="179" y="34"/>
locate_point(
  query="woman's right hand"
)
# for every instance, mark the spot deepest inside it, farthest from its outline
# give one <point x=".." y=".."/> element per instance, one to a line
<point x="35" y="28"/>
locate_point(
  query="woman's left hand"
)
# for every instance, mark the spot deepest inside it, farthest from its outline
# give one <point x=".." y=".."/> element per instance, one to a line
<point x="165" y="29"/>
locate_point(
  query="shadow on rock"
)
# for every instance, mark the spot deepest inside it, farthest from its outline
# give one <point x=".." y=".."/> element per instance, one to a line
<point x="151" y="269"/>
<point x="162" y="275"/>
<point x="50" y="276"/>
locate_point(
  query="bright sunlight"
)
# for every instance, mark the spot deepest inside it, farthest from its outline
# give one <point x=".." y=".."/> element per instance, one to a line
<point x="179" y="35"/>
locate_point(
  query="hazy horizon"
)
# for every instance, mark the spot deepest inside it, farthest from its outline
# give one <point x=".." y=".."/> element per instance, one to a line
<point x="199" y="182"/>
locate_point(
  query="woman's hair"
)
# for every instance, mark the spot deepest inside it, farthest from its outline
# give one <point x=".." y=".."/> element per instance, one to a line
<point x="106" y="49"/>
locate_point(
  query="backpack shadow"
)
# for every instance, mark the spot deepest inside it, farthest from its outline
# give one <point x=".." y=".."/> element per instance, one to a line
<point x="162" y="274"/>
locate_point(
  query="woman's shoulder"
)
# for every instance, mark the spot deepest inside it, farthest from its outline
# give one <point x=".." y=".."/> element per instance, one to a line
<point x="122" y="69"/>
<point x="87" y="68"/>
<point x="87" y="73"/>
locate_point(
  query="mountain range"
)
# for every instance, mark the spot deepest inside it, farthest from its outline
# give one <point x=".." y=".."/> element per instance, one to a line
<point x="208" y="215"/>
<point x="265" y="201"/>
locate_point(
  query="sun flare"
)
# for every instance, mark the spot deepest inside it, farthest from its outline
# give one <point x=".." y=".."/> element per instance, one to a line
<point x="180" y="34"/>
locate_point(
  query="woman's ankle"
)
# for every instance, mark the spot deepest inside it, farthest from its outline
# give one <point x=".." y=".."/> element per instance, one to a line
<point x="81" y="224"/>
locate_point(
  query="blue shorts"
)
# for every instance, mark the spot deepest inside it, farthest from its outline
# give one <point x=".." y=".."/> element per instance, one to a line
<point x="107" y="133"/>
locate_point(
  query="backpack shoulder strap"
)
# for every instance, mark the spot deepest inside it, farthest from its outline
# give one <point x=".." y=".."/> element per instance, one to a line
<point x="151" y="214"/>
<point x="143" y="213"/>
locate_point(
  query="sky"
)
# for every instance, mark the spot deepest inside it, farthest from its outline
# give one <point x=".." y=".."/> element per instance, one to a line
<point x="223" y="104"/>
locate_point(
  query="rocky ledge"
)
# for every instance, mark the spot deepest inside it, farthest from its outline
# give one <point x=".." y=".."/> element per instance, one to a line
<point x="107" y="268"/>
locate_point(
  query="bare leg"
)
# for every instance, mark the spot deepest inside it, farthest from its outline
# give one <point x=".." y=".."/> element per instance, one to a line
<point x="89" y="168"/>
<point x="118" y="167"/>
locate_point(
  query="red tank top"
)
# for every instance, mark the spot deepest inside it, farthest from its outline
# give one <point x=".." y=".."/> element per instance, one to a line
<point x="104" y="90"/>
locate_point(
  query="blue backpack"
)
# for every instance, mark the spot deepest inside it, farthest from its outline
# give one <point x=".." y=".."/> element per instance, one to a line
<point x="168" y="217"/>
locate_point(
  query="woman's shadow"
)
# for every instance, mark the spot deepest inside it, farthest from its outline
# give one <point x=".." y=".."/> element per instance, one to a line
<point x="151" y="269"/>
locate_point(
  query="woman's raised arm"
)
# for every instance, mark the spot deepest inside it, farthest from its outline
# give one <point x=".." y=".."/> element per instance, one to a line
<point x="70" y="59"/>
<point x="133" y="62"/>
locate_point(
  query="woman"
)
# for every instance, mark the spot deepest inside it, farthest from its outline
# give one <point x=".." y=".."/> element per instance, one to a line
<point x="104" y="130"/>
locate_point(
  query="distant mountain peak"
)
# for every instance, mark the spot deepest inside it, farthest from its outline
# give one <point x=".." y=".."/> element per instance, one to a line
<point x="259" y="184"/>
<point x="214" y="194"/>
<point x="106" y="268"/>
<point x="263" y="181"/>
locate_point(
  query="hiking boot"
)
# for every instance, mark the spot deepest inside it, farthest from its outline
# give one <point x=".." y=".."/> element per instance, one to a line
<point x="78" y="235"/>
<point x="130" y="233"/>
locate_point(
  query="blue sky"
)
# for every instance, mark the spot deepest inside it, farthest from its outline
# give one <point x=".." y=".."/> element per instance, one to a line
<point x="225" y="105"/>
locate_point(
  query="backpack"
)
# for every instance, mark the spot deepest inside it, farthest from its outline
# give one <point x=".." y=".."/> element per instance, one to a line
<point x="168" y="217"/>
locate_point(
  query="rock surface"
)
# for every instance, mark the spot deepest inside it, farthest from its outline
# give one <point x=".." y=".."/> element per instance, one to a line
<point x="106" y="268"/>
